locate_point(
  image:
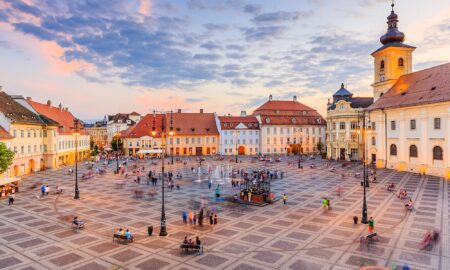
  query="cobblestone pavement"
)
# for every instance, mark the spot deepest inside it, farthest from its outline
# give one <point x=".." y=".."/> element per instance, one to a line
<point x="34" y="233"/>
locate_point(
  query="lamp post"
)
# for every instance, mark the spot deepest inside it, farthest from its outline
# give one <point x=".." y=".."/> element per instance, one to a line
<point x="236" y="134"/>
<point x="363" y="131"/>
<point x="76" y="133"/>
<point x="163" y="229"/>
<point x="117" y="149"/>
<point x="299" y="149"/>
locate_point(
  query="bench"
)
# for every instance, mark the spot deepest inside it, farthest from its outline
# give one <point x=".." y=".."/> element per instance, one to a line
<point x="121" y="239"/>
<point x="369" y="237"/>
<point x="187" y="247"/>
<point x="78" y="226"/>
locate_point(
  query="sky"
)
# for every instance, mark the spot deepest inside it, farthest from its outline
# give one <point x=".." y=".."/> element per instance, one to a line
<point x="109" y="56"/>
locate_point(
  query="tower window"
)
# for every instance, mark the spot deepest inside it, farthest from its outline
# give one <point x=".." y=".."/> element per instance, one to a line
<point x="382" y="64"/>
<point x="400" y="62"/>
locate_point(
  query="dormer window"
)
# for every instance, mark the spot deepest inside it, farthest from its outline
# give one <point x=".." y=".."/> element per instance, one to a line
<point x="178" y="129"/>
<point x="267" y="120"/>
<point x="225" y="125"/>
<point x="319" y="120"/>
<point x="341" y="107"/>
<point x="304" y="112"/>
<point x="192" y="129"/>
<point x="277" y="111"/>
<point x="128" y="121"/>
<point x="119" y="121"/>
<point x="294" y="120"/>
<point x="207" y="129"/>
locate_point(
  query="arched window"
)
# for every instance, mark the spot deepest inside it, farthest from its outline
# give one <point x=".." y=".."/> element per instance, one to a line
<point x="437" y="153"/>
<point x="413" y="151"/>
<point x="382" y="64"/>
<point x="400" y="62"/>
<point x="374" y="141"/>
<point x="393" y="150"/>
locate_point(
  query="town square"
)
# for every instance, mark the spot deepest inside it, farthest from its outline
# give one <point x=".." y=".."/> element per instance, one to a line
<point x="224" y="134"/>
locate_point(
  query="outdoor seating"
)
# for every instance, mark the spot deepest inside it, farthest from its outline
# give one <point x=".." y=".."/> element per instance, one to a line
<point x="196" y="248"/>
<point x="121" y="239"/>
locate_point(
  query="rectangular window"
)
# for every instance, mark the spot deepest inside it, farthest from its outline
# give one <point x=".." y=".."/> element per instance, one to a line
<point x="268" y="140"/>
<point x="22" y="150"/>
<point x="214" y="141"/>
<point x="15" y="149"/>
<point x="193" y="140"/>
<point x="226" y="141"/>
<point x="281" y="130"/>
<point x="268" y="130"/>
<point x="334" y="126"/>
<point x="374" y="126"/>
<point x="392" y="125"/>
<point x="29" y="149"/>
<point x="21" y="133"/>
<point x="28" y="133"/>
<point x="354" y="125"/>
<point x="45" y="133"/>
<point x="274" y="141"/>
<point x="412" y="124"/>
<point x="207" y="140"/>
<point x="178" y="140"/>
<point x="187" y="140"/>
<point x="274" y="130"/>
<point x="437" y="123"/>
<point x="342" y="125"/>
<point x="15" y="133"/>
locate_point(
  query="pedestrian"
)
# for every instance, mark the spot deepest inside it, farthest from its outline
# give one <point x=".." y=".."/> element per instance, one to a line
<point x="209" y="184"/>
<point x="194" y="219"/>
<point x="47" y="190"/>
<point x="184" y="216"/>
<point x="371" y="225"/>
<point x="249" y="196"/>
<point x="11" y="198"/>
<point x="215" y="219"/>
<point x="284" y="198"/>
<point x="138" y="180"/>
<point x="43" y="190"/>
<point x="211" y="219"/>
<point x="338" y="191"/>
<point x="324" y="203"/>
<point x="200" y="218"/>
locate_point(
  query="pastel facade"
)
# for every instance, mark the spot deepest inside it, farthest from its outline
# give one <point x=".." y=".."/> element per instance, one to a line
<point x="344" y="121"/>
<point x="284" y="125"/>
<point x="239" y="135"/>
<point x="120" y="122"/>
<point x="411" y="119"/>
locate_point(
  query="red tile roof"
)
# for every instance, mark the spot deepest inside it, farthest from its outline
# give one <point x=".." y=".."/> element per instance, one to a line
<point x="426" y="86"/>
<point x="186" y="124"/>
<point x="282" y="105"/>
<point x="4" y="135"/>
<point x="144" y="127"/>
<point x="63" y="116"/>
<point x="249" y="121"/>
<point x="287" y="112"/>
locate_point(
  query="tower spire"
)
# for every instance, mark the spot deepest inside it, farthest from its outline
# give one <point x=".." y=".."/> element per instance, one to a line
<point x="393" y="35"/>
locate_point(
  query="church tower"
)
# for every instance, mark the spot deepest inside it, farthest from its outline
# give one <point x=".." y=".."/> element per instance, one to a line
<point x="391" y="60"/>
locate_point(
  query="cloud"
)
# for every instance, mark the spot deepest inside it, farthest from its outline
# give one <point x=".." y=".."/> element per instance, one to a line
<point x="25" y="8"/>
<point x="253" y="8"/>
<point x="273" y="83"/>
<point x="195" y="100"/>
<point x="214" y="4"/>
<point x="236" y="55"/>
<point x="280" y="17"/>
<point x="207" y="56"/>
<point x="234" y="47"/>
<point x="263" y="32"/>
<point x="215" y="26"/>
<point x="210" y="46"/>
<point x="28" y="28"/>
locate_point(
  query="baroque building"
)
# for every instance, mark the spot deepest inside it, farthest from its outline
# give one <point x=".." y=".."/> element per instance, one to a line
<point x="410" y="118"/>
<point x="344" y="120"/>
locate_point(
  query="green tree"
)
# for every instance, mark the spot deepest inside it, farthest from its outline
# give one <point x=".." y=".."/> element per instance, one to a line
<point x="94" y="150"/>
<point x="116" y="143"/>
<point x="6" y="157"/>
<point x="319" y="147"/>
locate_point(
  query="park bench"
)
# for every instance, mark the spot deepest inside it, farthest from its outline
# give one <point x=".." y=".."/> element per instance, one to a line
<point x="121" y="239"/>
<point x="187" y="247"/>
<point x="369" y="237"/>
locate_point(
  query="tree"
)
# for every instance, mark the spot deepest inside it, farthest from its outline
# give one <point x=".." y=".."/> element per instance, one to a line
<point x="116" y="143"/>
<point x="94" y="151"/>
<point x="319" y="147"/>
<point x="6" y="157"/>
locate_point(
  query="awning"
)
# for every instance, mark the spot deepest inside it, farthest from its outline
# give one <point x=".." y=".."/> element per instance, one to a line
<point x="5" y="181"/>
<point x="150" y="151"/>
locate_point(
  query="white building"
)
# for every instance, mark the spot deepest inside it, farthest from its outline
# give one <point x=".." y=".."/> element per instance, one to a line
<point x="286" y="125"/>
<point x="121" y="122"/>
<point x="411" y="115"/>
<point x="238" y="134"/>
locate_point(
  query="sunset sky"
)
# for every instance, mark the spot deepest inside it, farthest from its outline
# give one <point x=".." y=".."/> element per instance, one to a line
<point x="109" y="56"/>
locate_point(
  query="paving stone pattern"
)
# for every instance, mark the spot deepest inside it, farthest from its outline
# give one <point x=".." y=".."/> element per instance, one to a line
<point x="36" y="232"/>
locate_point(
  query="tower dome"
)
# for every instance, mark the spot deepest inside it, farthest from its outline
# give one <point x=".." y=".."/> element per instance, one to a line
<point x="342" y="92"/>
<point x="393" y="35"/>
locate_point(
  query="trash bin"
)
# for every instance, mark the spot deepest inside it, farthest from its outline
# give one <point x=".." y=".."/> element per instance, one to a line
<point x="355" y="220"/>
<point x="150" y="230"/>
<point x="362" y="183"/>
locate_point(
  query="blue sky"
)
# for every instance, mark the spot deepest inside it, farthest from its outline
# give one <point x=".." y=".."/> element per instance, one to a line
<point x="107" y="56"/>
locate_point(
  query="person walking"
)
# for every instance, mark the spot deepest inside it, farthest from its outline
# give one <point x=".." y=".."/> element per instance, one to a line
<point x="209" y="183"/>
<point x="42" y="190"/>
<point x="211" y="219"/>
<point x="284" y="198"/>
<point x="200" y="218"/>
<point x="215" y="219"/>
<point x="371" y="225"/>
<point x="11" y="198"/>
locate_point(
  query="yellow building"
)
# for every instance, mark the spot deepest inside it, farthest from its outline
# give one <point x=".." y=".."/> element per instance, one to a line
<point x="194" y="134"/>
<point x="32" y="135"/>
<point x="98" y="133"/>
<point x="344" y="119"/>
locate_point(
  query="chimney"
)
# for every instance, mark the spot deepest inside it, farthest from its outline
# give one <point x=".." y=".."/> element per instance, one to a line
<point x="49" y="102"/>
<point x="295" y="98"/>
<point x="201" y="110"/>
<point x="243" y="113"/>
<point x="179" y="110"/>
<point x="28" y="98"/>
<point x="270" y="97"/>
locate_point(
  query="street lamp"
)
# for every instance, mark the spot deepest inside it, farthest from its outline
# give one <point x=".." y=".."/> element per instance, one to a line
<point x="236" y="134"/>
<point x="364" y="131"/>
<point x="299" y="149"/>
<point x="76" y="133"/>
<point x="163" y="229"/>
<point x="117" y="149"/>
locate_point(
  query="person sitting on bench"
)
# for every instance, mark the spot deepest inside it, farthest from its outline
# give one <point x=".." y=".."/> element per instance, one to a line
<point x="128" y="235"/>
<point x="185" y="241"/>
<point x="78" y="222"/>
<point x="197" y="241"/>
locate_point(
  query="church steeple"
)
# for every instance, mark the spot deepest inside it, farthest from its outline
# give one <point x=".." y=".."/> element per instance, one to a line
<point x="393" y="35"/>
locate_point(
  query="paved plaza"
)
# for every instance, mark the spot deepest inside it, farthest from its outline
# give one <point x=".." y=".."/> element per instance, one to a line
<point x="34" y="233"/>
